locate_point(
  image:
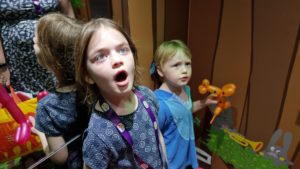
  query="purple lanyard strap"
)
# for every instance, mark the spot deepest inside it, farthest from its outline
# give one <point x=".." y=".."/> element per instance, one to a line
<point x="115" y="119"/>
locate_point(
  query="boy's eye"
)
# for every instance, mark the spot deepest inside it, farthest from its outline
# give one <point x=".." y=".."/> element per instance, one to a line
<point x="124" y="50"/>
<point x="188" y="63"/>
<point x="176" y="65"/>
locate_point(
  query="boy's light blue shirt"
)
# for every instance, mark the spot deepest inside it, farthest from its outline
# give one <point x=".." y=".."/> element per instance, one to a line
<point x="176" y="124"/>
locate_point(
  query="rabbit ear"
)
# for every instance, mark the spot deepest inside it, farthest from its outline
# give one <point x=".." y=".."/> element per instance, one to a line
<point x="276" y="135"/>
<point x="287" y="140"/>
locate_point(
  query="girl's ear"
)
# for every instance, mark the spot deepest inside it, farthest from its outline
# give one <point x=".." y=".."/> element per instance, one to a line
<point x="89" y="80"/>
<point x="159" y="72"/>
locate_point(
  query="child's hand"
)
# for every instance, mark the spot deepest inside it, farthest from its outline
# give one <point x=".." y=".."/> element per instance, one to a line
<point x="200" y="104"/>
<point x="41" y="135"/>
<point x="211" y="99"/>
<point x="33" y="129"/>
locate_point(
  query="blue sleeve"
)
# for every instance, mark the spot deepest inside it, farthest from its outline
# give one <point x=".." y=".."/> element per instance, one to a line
<point x="45" y="123"/>
<point x="55" y="114"/>
<point x="95" y="152"/>
<point x="163" y="116"/>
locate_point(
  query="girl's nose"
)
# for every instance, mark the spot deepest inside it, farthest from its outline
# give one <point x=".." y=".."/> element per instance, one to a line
<point x="116" y="60"/>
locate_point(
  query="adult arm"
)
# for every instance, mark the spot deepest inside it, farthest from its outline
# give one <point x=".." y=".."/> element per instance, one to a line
<point x="4" y="72"/>
<point x="66" y="7"/>
<point x="2" y="58"/>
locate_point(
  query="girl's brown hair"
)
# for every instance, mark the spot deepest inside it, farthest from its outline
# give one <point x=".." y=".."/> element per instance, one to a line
<point x="56" y="36"/>
<point x="80" y="53"/>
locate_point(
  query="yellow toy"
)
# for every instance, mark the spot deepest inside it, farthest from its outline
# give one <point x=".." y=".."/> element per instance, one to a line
<point x="238" y="138"/>
<point x="220" y="94"/>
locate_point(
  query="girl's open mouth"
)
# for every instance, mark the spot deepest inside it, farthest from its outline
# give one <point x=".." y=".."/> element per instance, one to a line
<point x="121" y="78"/>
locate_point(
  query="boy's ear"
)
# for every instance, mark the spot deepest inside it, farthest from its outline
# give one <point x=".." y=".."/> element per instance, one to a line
<point x="159" y="72"/>
<point x="89" y="80"/>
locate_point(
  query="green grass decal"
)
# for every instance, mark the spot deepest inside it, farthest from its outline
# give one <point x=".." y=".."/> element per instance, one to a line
<point x="232" y="153"/>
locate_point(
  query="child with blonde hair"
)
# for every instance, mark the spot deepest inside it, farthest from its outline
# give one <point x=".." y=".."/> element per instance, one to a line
<point x="171" y="71"/>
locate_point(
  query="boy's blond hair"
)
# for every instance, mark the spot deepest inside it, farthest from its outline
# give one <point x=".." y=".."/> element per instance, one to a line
<point x="166" y="51"/>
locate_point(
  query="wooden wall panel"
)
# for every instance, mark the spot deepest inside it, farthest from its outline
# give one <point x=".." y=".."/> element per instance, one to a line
<point x="233" y="56"/>
<point x="291" y="110"/>
<point x="117" y="11"/>
<point x="296" y="159"/>
<point x="274" y="32"/>
<point x="100" y="9"/>
<point x="140" y="20"/>
<point x="160" y="22"/>
<point x="203" y="33"/>
<point x="176" y="19"/>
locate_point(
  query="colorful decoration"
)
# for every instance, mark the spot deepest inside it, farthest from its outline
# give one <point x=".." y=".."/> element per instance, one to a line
<point x="233" y="153"/>
<point x="278" y="153"/>
<point x="23" y="131"/>
<point x="41" y="94"/>
<point x="221" y="95"/>
<point x="15" y="139"/>
<point x="238" y="138"/>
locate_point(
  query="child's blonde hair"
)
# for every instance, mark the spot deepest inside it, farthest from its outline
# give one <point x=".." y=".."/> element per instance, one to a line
<point x="91" y="90"/>
<point x="56" y="36"/>
<point x="166" y="51"/>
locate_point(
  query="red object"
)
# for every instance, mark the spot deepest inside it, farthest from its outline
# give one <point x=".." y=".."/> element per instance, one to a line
<point x="22" y="96"/>
<point x="11" y="106"/>
<point x="23" y="130"/>
<point x="42" y="94"/>
<point x="9" y="149"/>
<point x="15" y="135"/>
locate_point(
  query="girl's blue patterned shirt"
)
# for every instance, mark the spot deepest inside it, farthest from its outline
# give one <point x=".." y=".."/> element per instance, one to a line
<point x="104" y="147"/>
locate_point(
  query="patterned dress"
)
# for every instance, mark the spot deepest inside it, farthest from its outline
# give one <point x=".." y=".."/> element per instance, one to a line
<point x="17" y="27"/>
<point x="105" y="148"/>
<point x="59" y="114"/>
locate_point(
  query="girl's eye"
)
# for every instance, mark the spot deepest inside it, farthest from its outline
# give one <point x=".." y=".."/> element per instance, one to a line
<point x="124" y="50"/>
<point x="188" y="63"/>
<point x="101" y="57"/>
